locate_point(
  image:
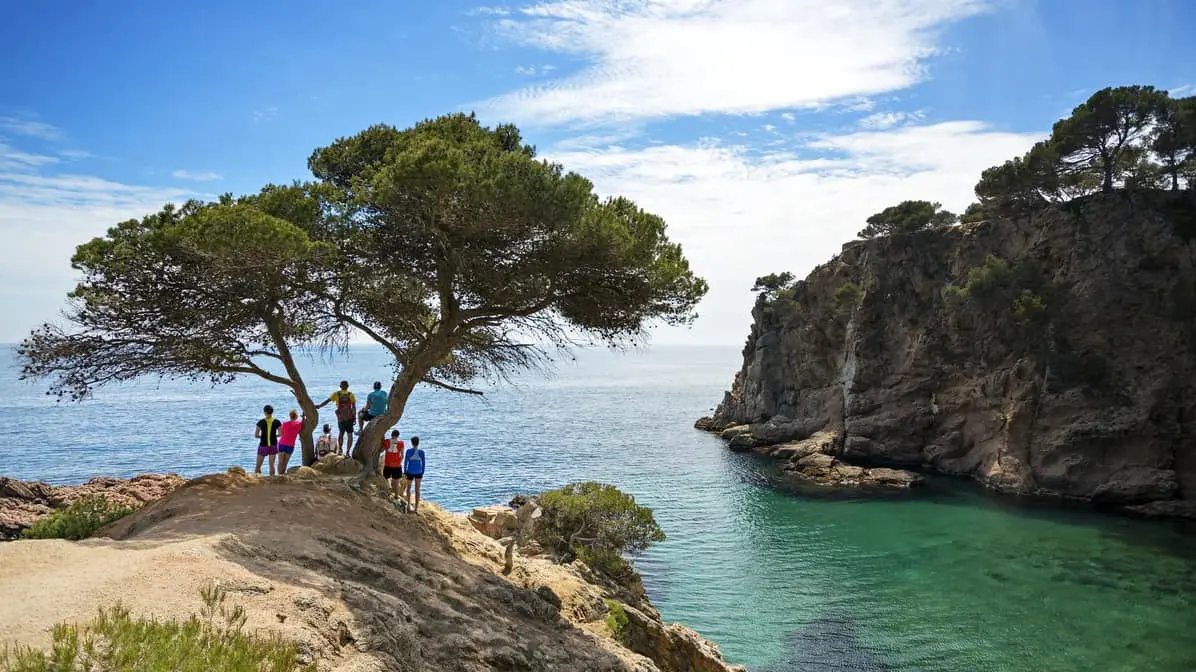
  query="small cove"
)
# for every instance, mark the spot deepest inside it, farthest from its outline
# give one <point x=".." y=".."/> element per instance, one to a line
<point x="949" y="578"/>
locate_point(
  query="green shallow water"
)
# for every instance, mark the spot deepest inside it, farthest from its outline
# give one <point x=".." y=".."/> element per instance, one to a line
<point x="946" y="579"/>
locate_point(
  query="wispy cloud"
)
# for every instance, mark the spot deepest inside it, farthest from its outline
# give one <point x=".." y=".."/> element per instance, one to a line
<point x="45" y="214"/>
<point x="265" y="114"/>
<point x="533" y="70"/>
<point x="659" y="58"/>
<point x="203" y="176"/>
<point x="883" y="120"/>
<point x="76" y="154"/>
<point x="1183" y="91"/>
<point x="742" y="211"/>
<point x="30" y="127"/>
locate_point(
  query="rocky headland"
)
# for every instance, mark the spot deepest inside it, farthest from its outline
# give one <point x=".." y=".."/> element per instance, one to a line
<point x="1051" y="353"/>
<point x="324" y="561"/>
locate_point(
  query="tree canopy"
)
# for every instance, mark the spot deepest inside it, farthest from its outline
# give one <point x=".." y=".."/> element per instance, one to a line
<point x="449" y="243"/>
<point x="1133" y="137"/>
<point x="598" y="523"/>
<point x="907" y="216"/>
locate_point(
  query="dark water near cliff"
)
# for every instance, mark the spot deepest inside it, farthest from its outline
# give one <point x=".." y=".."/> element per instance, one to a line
<point x="945" y="580"/>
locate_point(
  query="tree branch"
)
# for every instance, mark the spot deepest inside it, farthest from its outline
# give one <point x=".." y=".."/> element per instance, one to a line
<point x="452" y="388"/>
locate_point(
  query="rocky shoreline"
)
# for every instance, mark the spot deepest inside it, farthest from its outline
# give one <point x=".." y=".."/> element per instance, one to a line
<point x="813" y="460"/>
<point x="23" y="503"/>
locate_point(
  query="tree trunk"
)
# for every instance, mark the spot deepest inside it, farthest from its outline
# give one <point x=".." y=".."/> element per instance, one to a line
<point x="311" y="420"/>
<point x="1175" y="179"/>
<point x="1107" y="186"/>
<point x="370" y="441"/>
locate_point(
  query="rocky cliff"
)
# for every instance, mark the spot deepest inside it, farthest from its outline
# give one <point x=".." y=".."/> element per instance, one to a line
<point x="1050" y="353"/>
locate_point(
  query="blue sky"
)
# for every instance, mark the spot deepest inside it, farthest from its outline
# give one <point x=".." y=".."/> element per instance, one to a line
<point x="764" y="131"/>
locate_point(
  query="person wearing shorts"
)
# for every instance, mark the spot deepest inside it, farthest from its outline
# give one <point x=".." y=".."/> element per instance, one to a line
<point x="286" y="440"/>
<point x="267" y="432"/>
<point x="346" y="416"/>
<point x="392" y="463"/>
<point x="324" y="443"/>
<point x="414" y="461"/>
<point x="375" y="406"/>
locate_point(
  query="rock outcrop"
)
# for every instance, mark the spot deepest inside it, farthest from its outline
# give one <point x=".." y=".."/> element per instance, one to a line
<point x="23" y="503"/>
<point x="357" y="584"/>
<point x="1069" y="372"/>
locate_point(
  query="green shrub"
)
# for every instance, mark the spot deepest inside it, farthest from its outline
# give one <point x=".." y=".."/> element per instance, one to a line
<point x="116" y="642"/>
<point x="616" y="619"/>
<point x="79" y="520"/>
<point x="597" y="523"/>
<point x="848" y="294"/>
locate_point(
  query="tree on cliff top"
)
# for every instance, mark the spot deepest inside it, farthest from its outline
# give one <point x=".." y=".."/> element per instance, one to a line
<point x="1174" y="139"/>
<point x="458" y="247"/>
<point x="907" y="216"/>
<point x="205" y="291"/>
<point x="1095" y="138"/>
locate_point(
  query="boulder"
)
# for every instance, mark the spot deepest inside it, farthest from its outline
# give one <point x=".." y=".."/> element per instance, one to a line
<point x="673" y="647"/>
<point x="337" y="465"/>
<point x="732" y="432"/>
<point x="495" y="521"/>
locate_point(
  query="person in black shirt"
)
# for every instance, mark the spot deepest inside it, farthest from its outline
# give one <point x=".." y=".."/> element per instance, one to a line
<point x="267" y="433"/>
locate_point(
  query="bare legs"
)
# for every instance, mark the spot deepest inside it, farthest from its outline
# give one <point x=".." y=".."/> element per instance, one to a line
<point x="283" y="460"/>
<point x="414" y="503"/>
<point x="257" y="469"/>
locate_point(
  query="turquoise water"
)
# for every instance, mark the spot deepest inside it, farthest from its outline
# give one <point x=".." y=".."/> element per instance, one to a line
<point x="942" y="580"/>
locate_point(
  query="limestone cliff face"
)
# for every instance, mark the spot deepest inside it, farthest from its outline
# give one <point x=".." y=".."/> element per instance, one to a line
<point x="1093" y="399"/>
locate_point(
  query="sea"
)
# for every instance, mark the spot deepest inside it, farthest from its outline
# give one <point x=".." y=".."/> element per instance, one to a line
<point x="946" y="579"/>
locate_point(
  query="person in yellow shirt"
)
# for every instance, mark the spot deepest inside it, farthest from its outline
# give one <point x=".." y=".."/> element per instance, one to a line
<point x="346" y="416"/>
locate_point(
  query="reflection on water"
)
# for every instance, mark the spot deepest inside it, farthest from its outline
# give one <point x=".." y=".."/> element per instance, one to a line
<point x="948" y="578"/>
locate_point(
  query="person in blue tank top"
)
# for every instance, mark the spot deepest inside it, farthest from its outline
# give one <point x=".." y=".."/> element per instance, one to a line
<point x="414" y="462"/>
<point x="375" y="405"/>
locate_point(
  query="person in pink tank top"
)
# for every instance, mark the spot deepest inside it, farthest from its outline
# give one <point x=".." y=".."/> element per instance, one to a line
<point x="286" y="441"/>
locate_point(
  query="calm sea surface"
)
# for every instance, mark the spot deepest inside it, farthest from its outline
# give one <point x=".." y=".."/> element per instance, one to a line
<point x="948" y="579"/>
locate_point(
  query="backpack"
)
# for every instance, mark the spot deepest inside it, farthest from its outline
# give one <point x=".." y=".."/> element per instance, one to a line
<point x="344" y="405"/>
<point x="415" y="461"/>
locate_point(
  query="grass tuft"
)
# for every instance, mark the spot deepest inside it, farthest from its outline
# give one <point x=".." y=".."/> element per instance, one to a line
<point x="211" y="641"/>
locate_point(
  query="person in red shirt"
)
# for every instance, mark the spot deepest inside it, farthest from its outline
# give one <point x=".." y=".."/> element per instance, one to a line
<point x="286" y="440"/>
<point x="392" y="466"/>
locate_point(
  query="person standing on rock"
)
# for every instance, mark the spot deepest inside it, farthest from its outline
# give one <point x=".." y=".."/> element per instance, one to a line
<point x="392" y="464"/>
<point x="413" y="469"/>
<point x="286" y="440"/>
<point x="375" y="405"/>
<point x="346" y="414"/>
<point x="267" y="432"/>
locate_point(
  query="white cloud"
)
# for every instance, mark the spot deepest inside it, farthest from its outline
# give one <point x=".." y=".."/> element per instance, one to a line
<point x="265" y="114"/>
<point x="202" y="176"/>
<point x="1183" y="91"/>
<point x="533" y="70"/>
<point x="659" y="58"/>
<point x="883" y="120"/>
<point x="30" y="127"/>
<point x="789" y="117"/>
<point x="42" y="218"/>
<point x="740" y="213"/>
<point x="76" y="154"/>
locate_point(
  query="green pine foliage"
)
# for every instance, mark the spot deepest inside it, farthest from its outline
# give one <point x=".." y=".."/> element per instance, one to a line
<point x="597" y="523"/>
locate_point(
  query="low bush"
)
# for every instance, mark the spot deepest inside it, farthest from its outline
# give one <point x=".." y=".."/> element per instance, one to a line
<point x="597" y="523"/>
<point x="80" y="520"/>
<point x="616" y="619"/>
<point x="848" y="294"/>
<point x="212" y="641"/>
